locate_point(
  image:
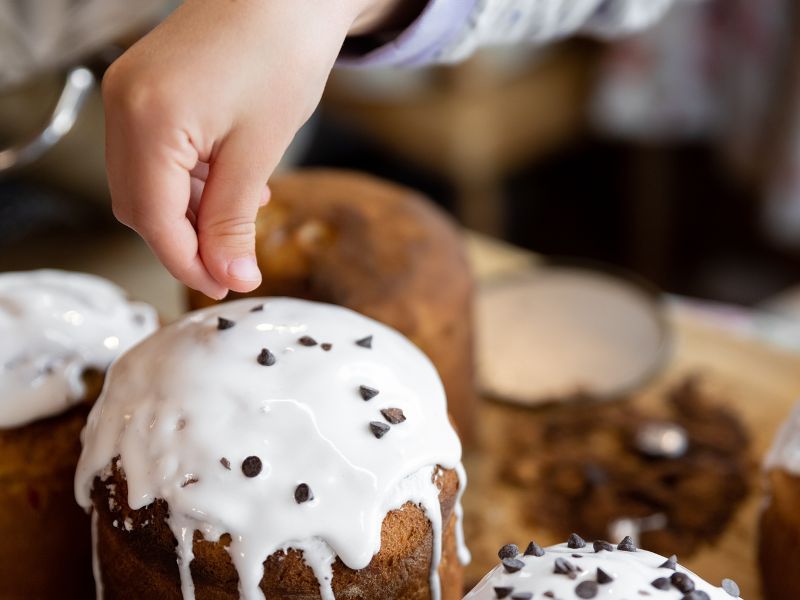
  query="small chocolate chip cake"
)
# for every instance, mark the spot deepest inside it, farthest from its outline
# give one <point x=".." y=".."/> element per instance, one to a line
<point x="58" y="333"/>
<point x="274" y="448"/>
<point x="377" y="248"/>
<point x="580" y="569"/>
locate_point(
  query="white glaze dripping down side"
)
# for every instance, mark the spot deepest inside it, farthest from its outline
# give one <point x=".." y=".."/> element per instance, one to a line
<point x="55" y="325"/>
<point x="785" y="451"/>
<point x="632" y="573"/>
<point x="98" y="577"/>
<point x="193" y="394"/>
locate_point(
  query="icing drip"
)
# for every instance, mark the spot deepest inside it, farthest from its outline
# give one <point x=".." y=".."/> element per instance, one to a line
<point x="785" y="451"/>
<point x="98" y="576"/>
<point x="631" y="573"/>
<point x="54" y="326"/>
<point x="202" y="390"/>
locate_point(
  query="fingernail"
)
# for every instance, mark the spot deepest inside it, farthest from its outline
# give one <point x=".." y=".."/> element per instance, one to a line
<point x="244" y="269"/>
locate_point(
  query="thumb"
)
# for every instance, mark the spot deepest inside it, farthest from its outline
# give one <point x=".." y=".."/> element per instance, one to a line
<point x="227" y="211"/>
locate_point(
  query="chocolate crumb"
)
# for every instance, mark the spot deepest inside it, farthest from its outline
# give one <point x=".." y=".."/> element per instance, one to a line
<point x="508" y="551"/>
<point x="522" y="596"/>
<point x="303" y="493"/>
<point x="393" y="415"/>
<point x="564" y="567"/>
<point x="512" y="565"/>
<point x="670" y="563"/>
<point x="599" y="545"/>
<point x="225" y="463"/>
<point x="683" y="582"/>
<point x="730" y="586"/>
<point x="223" y="323"/>
<point x="662" y="583"/>
<point x="575" y="541"/>
<point x="534" y="549"/>
<point x="326" y="346"/>
<point x="365" y="342"/>
<point x="367" y="393"/>
<point x="257" y="308"/>
<point x="251" y="466"/>
<point x="190" y="481"/>
<point x="503" y="592"/>
<point x="603" y="577"/>
<point x="626" y="545"/>
<point x="644" y="593"/>
<point x="266" y="358"/>
<point x="549" y="595"/>
<point x="586" y="589"/>
<point x="307" y="341"/>
<point x="379" y="429"/>
<point x="577" y="556"/>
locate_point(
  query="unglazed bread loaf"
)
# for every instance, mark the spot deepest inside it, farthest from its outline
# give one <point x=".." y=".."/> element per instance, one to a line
<point x="580" y="569"/>
<point x="274" y="448"/>
<point x="779" y="540"/>
<point x="58" y="333"/>
<point x="377" y="248"/>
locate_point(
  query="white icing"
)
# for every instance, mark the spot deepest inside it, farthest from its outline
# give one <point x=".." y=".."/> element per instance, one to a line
<point x="98" y="575"/>
<point x="192" y="394"/>
<point x="785" y="451"/>
<point x="54" y="326"/>
<point x="632" y="572"/>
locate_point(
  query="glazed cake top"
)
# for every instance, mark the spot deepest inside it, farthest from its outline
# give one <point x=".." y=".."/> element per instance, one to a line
<point x="579" y="569"/>
<point x="785" y="451"/>
<point x="55" y="325"/>
<point x="283" y="422"/>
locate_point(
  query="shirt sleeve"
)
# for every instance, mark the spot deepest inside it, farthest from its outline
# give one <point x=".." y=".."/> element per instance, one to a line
<point x="451" y="30"/>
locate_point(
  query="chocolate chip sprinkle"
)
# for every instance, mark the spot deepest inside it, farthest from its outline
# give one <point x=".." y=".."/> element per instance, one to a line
<point x="303" y="493"/>
<point x="522" y="596"/>
<point x="549" y="594"/>
<point x="393" y="415"/>
<point x="696" y="595"/>
<point x="266" y="358"/>
<point x="682" y="581"/>
<point x="586" y="589"/>
<point x="503" y="592"/>
<point x="662" y="583"/>
<point x="512" y="565"/>
<point x="223" y="323"/>
<point x="365" y="342"/>
<point x="599" y="545"/>
<point x="508" y="551"/>
<point x="564" y="567"/>
<point x="730" y="586"/>
<point x="627" y="545"/>
<point x="534" y="549"/>
<point x="367" y="392"/>
<point x="190" y="481"/>
<point x="326" y="346"/>
<point x="225" y="463"/>
<point x="603" y="577"/>
<point x="251" y="466"/>
<point x="307" y="341"/>
<point x="379" y="429"/>
<point x="257" y="308"/>
<point x="670" y="563"/>
<point x="575" y="541"/>
<point x="576" y="555"/>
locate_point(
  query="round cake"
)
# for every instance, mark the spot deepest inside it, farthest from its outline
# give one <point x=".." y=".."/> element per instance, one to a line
<point x="578" y="569"/>
<point x="779" y="543"/>
<point x="379" y="249"/>
<point x="58" y="333"/>
<point x="274" y="448"/>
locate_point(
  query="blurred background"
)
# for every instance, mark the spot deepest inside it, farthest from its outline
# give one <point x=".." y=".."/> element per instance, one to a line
<point x="674" y="153"/>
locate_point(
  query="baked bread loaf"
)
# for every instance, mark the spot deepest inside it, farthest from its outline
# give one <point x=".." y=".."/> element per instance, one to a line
<point x="779" y="540"/>
<point x="58" y="333"/>
<point x="274" y="448"/>
<point x="377" y="248"/>
<point x="580" y="569"/>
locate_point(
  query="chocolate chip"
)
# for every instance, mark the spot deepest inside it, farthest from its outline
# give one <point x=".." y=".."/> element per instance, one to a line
<point x="503" y="592"/>
<point x="225" y="463"/>
<point x="266" y="358"/>
<point x="522" y="596"/>
<point x="626" y="545"/>
<point x="576" y="555"/>
<point x="564" y="567"/>
<point x="599" y="545"/>
<point x="670" y="563"/>
<point x="303" y="493"/>
<point x="512" y="565"/>
<point x="603" y="577"/>
<point x="365" y="342"/>
<point x="729" y="585"/>
<point x="696" y="595"/>
<point x="586" y="589"/>
<point x="367" y="393"/>
<point x="378" y="429"/>
<point x="308" y="341"/>
<point x="190" y="481"/>
<point x="326" y="346"/>
<point x="549" y="595"/>
<point x="682" y="582"/>
<point x="223" y="323"/>
<point x="534" y="549"/>
<point x="251" y="466"/>
<point x="508" y="551"/>
<point x="393" y="415"/>
<point x="662" y="583"/>
<point x="257" y="308"/>
<point x="575" y="541"/>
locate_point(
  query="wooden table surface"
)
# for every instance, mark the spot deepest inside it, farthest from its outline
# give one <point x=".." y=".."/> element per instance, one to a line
<point x="761" y="382"/>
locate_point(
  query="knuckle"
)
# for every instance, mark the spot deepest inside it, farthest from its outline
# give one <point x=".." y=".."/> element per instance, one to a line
<point x="236" y="231"/>
<point x="133" y="93"/>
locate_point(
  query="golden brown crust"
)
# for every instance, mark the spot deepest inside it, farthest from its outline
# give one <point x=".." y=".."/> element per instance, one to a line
<point x="380" y="249"/>
<point x="400" y="571"/>
<point x="779" y="541"/>
<point x="45" y="547"/>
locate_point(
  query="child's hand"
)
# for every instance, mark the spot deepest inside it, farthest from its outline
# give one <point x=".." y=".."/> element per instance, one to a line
<point x="217" y="92"/>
